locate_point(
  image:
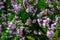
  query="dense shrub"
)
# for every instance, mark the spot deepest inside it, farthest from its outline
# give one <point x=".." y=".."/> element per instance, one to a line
<point x="30" y="20"/>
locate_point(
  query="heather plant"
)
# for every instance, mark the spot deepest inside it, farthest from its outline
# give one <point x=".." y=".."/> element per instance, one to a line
<point x="29" y="19"/>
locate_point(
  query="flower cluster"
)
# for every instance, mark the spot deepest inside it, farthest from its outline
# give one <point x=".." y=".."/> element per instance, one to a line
<point x="29" y="19"/>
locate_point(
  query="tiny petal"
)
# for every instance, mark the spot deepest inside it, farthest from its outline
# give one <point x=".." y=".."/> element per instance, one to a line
<point x="48" y="1"/>
<point x="35" y="32"/>
<point x="41" y="14"/>
<point x="21" y="30"/>
<point x="58" y="7"/>
<point x="34" y="21"/>
<point x="0" y="29"/>
<point x="29" y="9"/>
<point x="40" y="22"/>
<point x="50" y="33"/>
<point x="28" y="22"/>
<point x="13" y="26"/>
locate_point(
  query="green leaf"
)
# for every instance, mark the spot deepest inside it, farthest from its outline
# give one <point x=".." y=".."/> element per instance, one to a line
<point x="30" y="38"/>
<point x="16" y="37"/>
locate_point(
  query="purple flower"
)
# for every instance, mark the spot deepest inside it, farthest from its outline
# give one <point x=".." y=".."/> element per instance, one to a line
<point x="34" y="21"/>
<point x="34" y="12"/>
<point x="29" y="9"/>
<point x="1" y="7"/>
<point x="40" y="22"/>
<point x="9" y="24"/>
<point x="48" y="1"/>
<point x="21" y="30"/>
<point x="57" y="1"/>
<point x="25" y="3"/>
<point x="41" y="14"/>
<point x="17" y="7"/>
<point x="0" y="29"/>
<point x="20" y="6"/>
<point x="13" y="2"/>
<point x="56" y="20"/>
<point x="35" y="32"/>
<point x="16" y="17"/>
<point x="48" y="20"/>
<point x="4" y="16"/>
<point x="44" y="23"/>
<point x="28" y="22"/>
<point x="13" y="26"/>
<point x="48" y="11"/>
<point x="53" y="26"/>
<point x="50" y="33"/>
<point x="10" y="31"/>
<point x="1" y="3"/>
